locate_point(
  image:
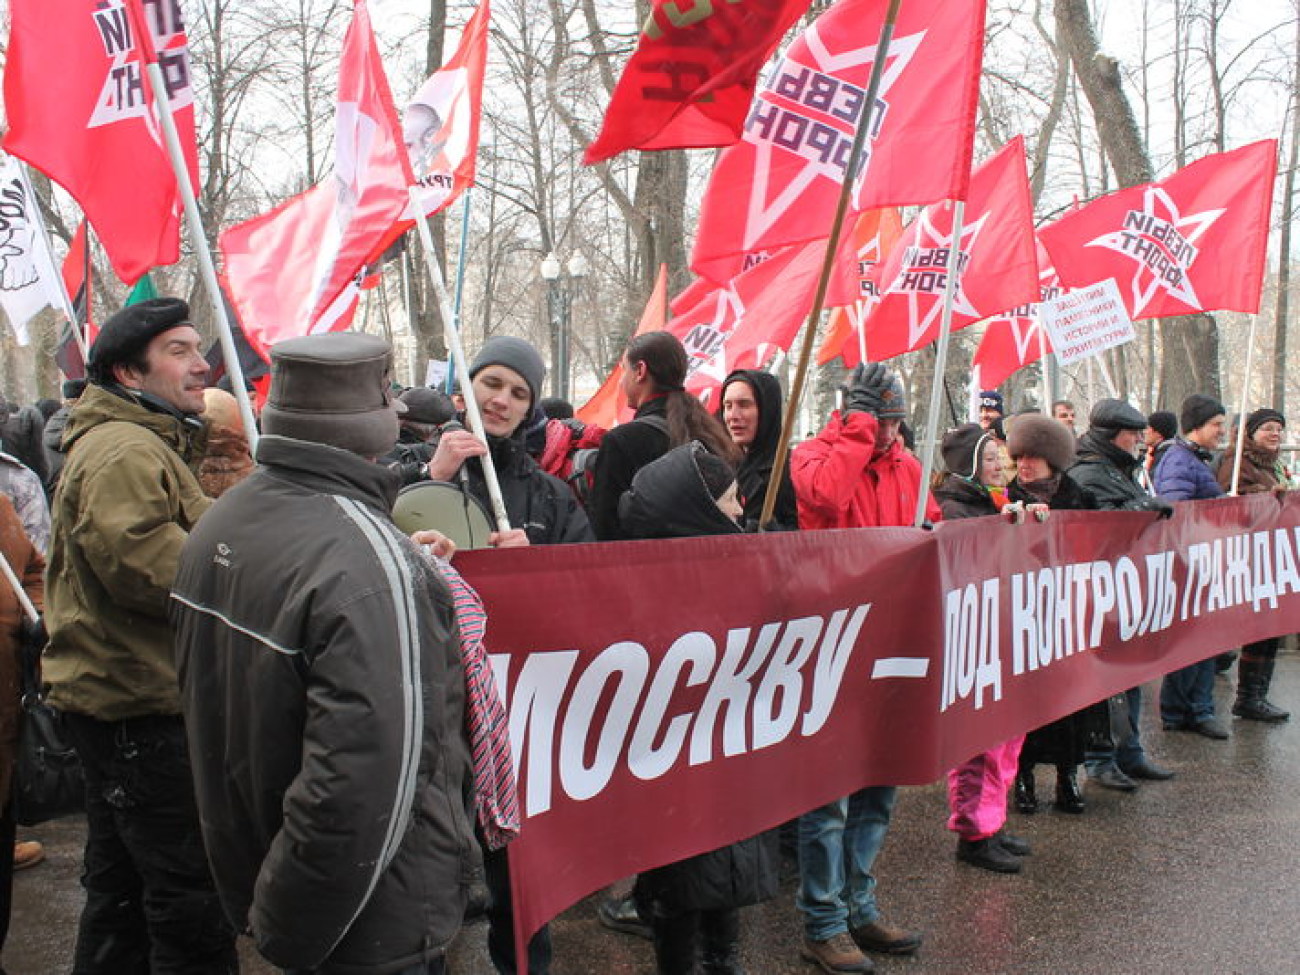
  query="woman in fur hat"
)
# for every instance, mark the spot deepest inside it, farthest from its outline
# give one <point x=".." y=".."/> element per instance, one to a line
<point x="1261" y="470"/>
<point x="1043" y="450"/>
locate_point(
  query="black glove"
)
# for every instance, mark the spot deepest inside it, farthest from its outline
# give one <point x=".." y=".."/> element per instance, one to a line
<point x="866" y="388"/>
<point x="33" y="634"/>
<point x="1161" y="507"/>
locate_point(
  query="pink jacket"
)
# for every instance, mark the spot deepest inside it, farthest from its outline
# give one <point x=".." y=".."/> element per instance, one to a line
<point x="840" y="482"/>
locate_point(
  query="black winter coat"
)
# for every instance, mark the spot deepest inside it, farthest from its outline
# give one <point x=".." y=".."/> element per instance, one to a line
<point x="1109" y="475"/>
<point x="668" y="499"/>
<point x="542" y="505"/>
<point x="755" y="469"/>
<point x="959" y="498"/>
<point x="409" y="458"/>
<point x="624" y="451"/>
<point x="323" y="693"/>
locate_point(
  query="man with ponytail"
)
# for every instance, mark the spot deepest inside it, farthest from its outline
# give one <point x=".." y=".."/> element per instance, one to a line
<point x="654" y="378"/>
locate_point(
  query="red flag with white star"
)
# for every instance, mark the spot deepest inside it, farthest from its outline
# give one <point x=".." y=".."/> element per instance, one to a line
<point x="779" y="184"/>
<point x="81" y="111"/>
<point x="1193" y="242"/>
<point x="1011" y="338"/>
<point x="997" y="267"/>
<point x="874" y="235"/>
<point x="691" y="78"/>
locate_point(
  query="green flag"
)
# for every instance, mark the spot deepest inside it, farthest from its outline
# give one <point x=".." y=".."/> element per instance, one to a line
<point x="144" y="290"/>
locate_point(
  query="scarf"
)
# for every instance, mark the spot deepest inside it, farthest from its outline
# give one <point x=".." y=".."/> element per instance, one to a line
<point x="1043" y="490"/>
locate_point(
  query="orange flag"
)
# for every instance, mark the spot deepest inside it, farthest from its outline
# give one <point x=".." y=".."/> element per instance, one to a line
<point x="607" y="408"/>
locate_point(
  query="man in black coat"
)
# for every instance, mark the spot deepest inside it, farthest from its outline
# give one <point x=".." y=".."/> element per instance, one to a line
<point x="1108" y="468"/>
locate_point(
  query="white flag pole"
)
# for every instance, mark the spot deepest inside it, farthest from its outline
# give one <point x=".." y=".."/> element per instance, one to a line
<point x="1245" y="399"/>
<point x="39" y="220"/>
<point x="927" y="444"/>
<point x="1044" y="367"/>
<point x="458" y="357"/>
<point x="207" y="270"/>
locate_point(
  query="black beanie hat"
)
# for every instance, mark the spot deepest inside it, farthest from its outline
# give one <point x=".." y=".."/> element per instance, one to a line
<point x="991" y="399"/>
<point x="1261" y="416"/>
<point x="1035" y="435"/>
<point x="126" y="333"/>
<point x="513" y="353"/>
<point x="961" y="449"/>
<point x="1198" y="410"/>
<point x="1164" y="423"/>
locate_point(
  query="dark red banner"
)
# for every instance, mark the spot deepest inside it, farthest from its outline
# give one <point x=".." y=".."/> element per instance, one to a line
<point x="669" y="697"/>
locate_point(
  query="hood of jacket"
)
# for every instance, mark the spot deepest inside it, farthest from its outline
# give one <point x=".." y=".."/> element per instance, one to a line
<point x="1094" y="448"/>
<point x="767" y="394"/>
<point x="99" y="405"/>
<point x="669" y="499"/>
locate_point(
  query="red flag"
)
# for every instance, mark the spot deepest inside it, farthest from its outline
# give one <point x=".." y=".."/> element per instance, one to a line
<point x="780" y="183"/>
<point x="691" y="78"/>
<point x="81" y="111"/>
<point x="295" y="270"/>
<point x="608" y="407"/>
<point x="996" y="264"/>
<point x="1193" y="242"/>
<point x="741" y="325"/>
<point x="441" y="123"/>
<point x="76" y="280"/>
<point x="1011" y="339"/>
<point x="874" y="235"/>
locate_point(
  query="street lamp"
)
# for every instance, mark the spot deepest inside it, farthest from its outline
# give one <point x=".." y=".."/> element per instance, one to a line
<point x="561" y="282"/>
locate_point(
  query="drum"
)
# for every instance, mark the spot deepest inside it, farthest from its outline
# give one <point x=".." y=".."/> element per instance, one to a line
<point x="445" y="508"/>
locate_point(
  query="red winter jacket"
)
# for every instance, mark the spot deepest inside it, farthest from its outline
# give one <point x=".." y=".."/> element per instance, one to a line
<point x="840" y="482"/>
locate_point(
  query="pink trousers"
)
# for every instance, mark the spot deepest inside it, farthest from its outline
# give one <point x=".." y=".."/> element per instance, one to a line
<point x="977" y="791"/>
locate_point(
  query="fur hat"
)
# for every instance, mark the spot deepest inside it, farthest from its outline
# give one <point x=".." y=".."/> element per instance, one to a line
<point x="1164" y="423"/>
<point x="1198" y="410"/>
<point x="1110" y="416"/>
<point x="1035" y="435"/>
<point x="333" y="389"/>
<point x="961" y="449"/>
<point x="1261" y="416"/>
<point x="129" y="331"/>
<point x="513" y="353"/>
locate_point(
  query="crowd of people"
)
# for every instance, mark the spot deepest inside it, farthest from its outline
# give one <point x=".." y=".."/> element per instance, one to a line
<point x="282" y="703"/>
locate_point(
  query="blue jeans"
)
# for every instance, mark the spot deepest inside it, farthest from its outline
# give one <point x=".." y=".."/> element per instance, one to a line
<point x="838" y="844"/>
<point x="1128" y="751"/>
<point x="1187" y="695"/>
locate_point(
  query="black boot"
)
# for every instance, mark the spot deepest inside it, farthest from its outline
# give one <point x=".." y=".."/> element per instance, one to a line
<point x="1253" y="679"/>
<point x="675" y="943"/>
<point x="1068" y="797"/>
<point x="720" y="942"/>
<point x="1026" y="798"/>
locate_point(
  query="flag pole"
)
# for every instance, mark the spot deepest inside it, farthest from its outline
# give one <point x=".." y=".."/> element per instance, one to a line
<point x="460" y="273"/>
<point x="45" y="241"/>
<point x="823" y="282"/>
<point x="927" y="444"/>
<point x="862" y="334"/>
<point x="1241" y="413"/>
<point x="207" y="270"/>
<point x="457" y="351"/>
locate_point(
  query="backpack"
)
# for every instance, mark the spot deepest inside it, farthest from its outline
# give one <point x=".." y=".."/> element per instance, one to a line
<point x="581" y="475"/>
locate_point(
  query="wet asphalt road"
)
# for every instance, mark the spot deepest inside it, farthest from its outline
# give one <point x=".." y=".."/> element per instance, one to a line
<point x="1199" y="874"/>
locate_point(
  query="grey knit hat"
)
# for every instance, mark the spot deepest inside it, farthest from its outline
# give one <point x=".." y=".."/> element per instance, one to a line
<point x="513" y="353"/>
<point x="1035" y="435"/>
<point x="1113" y="415"/>
<point x="334" y="389"/>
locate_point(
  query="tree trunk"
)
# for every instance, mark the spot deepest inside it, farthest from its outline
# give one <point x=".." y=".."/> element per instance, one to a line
<point x="1189" y="343"/>
<point x="1283" y="310"/>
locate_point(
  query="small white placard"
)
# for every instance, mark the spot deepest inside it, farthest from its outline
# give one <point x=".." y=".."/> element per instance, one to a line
<point x="435" y="375"/>
<point x="1086" y="322"/>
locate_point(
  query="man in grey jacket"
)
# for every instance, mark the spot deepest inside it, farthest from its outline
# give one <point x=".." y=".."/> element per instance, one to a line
<point x="323" y="688"/>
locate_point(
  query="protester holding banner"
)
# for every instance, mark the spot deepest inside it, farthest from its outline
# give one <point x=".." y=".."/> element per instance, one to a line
<point x="751" y="412"/>
<point x="1043" y="450"/>
<point x="688" y="493"/>
<point x="1183" y="474"/>
<point x="1108" y="468"/>
<point x="977" y="789"/>
<point x="655" y="367"/>
<point x="854" y="474"/>
<point x="506" y="379"/>
<point x="1261" y="471"/>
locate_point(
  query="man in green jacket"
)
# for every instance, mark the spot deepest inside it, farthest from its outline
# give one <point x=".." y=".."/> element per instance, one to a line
<point x="125" y="504"/>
